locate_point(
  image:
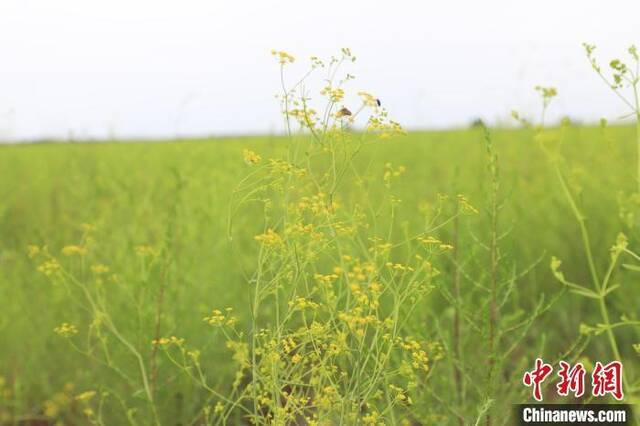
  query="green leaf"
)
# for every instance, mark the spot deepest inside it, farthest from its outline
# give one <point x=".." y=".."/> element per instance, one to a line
<point x="610" y="289"/>
<point x="586" y="293"/>
<point x="631" y="267"/>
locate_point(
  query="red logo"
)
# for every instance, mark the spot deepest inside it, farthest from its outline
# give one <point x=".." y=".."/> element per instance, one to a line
<point x="605" y="379"/>
<point x="571" y="379"/>
<point x="536" y="377"/>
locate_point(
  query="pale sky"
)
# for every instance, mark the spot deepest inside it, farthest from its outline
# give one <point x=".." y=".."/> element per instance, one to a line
<point x="160" y="68"/>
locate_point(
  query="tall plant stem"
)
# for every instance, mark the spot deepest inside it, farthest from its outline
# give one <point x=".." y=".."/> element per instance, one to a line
<point x="494" y="259"/>
<point x="600" y="287"/>
<point x="636" y="99"/>
<point x="638" y="145"/>
<point x="457" y="374"/>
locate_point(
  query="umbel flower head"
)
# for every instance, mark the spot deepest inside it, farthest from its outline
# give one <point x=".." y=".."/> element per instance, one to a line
<point x="283" y="57"/>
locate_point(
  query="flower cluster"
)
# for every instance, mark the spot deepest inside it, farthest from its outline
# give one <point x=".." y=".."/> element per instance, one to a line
<point x="66" y="330"/>
<point x="251" y="157"/>
<point x="219" y="318"/>
<point x="283" y="57"/>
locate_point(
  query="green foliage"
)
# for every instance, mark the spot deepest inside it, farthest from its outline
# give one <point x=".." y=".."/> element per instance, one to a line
<point x="330" y="276"/>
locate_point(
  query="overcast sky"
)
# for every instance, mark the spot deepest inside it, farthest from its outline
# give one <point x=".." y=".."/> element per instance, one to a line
<point x="160" y="68"/>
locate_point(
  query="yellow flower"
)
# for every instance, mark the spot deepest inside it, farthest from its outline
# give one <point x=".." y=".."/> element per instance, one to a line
<point x="429" y="240"/>
<point x="368" y="99"/>
<point x="66" y="330"/>
<point x="400" y="395"/>
<point x="420" y="360"/>
<point x="49" y="267"/>
<point x="32" y="251"/>
<point x="296" y="359"/>
<point x="288" y="344"/>
<point x="269" y="238"/>
<point x="99" y="269"/>
<point x="283" y="57"/>
<point x="301" y="303"/>
<point x="620" y="245"/>
<point x="371" y="418"/>
<point x="334" y="95"/>
<point x="74" y="250"/>
<point x="251" y="157"/>
<point x="465" y="205"/>
<point x="555" y="268"/>
<point x="163" y="341"/>
<point x="85" y="396"/>
<point x="547" y="92"/>
<point x="217" y="318"/>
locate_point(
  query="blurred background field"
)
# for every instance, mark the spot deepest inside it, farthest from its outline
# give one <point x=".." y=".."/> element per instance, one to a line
<point x="133" y="193"/>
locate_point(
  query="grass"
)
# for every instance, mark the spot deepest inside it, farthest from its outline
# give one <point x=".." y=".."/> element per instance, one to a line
<point x="174" y="198"/>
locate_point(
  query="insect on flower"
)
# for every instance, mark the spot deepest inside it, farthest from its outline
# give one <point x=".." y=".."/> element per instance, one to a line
<point x="343" y="112"/>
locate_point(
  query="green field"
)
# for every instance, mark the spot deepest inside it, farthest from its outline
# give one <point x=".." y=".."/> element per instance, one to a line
<point x="168" y="242"/>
